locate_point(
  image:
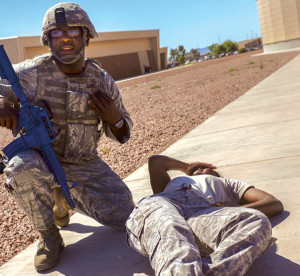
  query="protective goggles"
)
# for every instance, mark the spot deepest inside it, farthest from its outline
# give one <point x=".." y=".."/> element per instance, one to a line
<point x="59" y="33"/>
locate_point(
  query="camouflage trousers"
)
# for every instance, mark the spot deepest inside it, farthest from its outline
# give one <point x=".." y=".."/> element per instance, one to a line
<point x="100" y="194"/>
<point x="183" y="235"/>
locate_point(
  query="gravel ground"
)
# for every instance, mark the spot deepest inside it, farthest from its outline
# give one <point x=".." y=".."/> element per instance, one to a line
<point x="163" y="110"/>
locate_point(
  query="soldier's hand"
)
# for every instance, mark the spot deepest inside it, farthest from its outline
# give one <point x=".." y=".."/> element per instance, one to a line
<point x="8" y="115"/>
<point x="105" y="107"/>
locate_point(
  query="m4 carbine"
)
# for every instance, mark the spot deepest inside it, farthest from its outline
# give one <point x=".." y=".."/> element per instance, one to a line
<point x="34" y="128"/>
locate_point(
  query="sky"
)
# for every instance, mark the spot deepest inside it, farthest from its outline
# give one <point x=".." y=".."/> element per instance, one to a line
<point x="193" y="24"/>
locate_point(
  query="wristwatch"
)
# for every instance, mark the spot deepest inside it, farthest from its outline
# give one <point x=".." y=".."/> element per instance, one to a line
<point x="119" y="124"/>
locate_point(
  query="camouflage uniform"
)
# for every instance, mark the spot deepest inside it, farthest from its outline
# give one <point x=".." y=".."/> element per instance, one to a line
<point x="183" y="235"/>
<point x="100" y="193"/>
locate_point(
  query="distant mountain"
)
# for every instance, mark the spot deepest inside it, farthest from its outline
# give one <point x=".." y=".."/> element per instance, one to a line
<point x="203" y="51"/>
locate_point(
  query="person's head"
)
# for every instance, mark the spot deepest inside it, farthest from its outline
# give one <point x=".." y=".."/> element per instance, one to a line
<point x="211" y="172"/>
<point x="205" y="170"/>
<point x="67" y="30"/>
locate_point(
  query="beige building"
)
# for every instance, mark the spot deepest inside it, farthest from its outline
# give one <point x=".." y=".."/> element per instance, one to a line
<point x="122" y="54"/>
<point x="250" y="43"/>
<point x="279" y="23"/>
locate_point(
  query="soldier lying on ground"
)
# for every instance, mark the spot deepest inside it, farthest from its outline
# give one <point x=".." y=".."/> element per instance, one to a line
<point x="194" y="225"/>
<point x="80" y="95"/>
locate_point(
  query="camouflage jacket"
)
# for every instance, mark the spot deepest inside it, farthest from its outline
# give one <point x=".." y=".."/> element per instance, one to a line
<point x="75" y="122"/>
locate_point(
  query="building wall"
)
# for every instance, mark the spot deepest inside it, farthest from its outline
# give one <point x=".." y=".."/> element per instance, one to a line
<point x="11" y="46"/>
<point x="108" y="48"/>
<point x="31" y="52"/>
<point x="280" y="23"/>
<point x="117" y="51"/>
<point x="163" y="57"/>
<point x="249" y="43"/>
<point x="121" y="58"/>
<point x="121" y="66"/>
<point x="144" y="60"/>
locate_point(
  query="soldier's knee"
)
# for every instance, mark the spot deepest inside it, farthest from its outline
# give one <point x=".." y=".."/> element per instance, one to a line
<point x="25" y="162"/>
<point x="262" y="218"/>
<point x="265" y="224"/>
<point x="260" y="224"/>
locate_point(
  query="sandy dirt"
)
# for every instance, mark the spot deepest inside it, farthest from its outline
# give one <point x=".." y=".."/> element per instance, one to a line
<point x="163" y="110"/>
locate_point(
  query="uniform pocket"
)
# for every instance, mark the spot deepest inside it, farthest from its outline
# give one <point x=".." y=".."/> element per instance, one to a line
<point x="152" y="244"/>
<point x="76" y="104"/>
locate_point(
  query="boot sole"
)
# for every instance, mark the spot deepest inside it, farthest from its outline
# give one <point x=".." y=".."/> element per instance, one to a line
<point x="50" y="265"/>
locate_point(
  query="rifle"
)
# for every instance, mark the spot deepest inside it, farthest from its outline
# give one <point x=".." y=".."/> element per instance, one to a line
<point x="34" y="128"/>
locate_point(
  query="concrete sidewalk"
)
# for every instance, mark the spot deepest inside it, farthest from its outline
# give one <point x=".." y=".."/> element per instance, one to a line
<point x="256" y="139"/>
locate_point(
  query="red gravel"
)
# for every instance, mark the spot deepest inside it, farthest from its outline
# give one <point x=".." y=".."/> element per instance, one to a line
<point x="161" y="116"/>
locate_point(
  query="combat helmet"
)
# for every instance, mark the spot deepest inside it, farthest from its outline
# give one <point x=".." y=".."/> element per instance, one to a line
<point x="67" y="15"/>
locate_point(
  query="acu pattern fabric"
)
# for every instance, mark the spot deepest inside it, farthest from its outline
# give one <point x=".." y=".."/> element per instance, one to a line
<point x="100" y="193"/>
<point x="183" y="235"/>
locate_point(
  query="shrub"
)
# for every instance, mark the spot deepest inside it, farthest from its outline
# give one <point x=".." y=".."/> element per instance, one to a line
<point x="155" y="86"/>
<point x="181" y="59"/>
<point x="229" y="46"/>
<point x="242" y="50"/>
<point x="105" y="150"/>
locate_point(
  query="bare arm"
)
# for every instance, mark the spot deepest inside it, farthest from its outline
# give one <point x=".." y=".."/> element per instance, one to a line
<point x="262" y="201"/>
<point x="159" y="166"/>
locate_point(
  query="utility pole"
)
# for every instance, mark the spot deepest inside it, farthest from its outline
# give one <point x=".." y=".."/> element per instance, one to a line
<point x="219" y="39"/>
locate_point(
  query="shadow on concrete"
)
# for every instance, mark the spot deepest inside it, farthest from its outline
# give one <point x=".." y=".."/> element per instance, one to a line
<point x="103" y="252"/>
<point x="275" y="220"/>
<point x="272" y="264"/>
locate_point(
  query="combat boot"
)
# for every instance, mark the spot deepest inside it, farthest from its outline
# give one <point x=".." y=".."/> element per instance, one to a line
<point x="49" y="247"/>
<point x="61" y="208"/>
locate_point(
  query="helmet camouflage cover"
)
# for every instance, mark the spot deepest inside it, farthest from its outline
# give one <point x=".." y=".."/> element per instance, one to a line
<point x="73" y="15"/>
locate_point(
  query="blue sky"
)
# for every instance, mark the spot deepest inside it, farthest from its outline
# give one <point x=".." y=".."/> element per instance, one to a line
<point x="193" y="24"/>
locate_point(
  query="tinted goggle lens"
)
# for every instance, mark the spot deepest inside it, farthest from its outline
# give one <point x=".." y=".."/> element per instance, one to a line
<point x="59" y="33"/>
